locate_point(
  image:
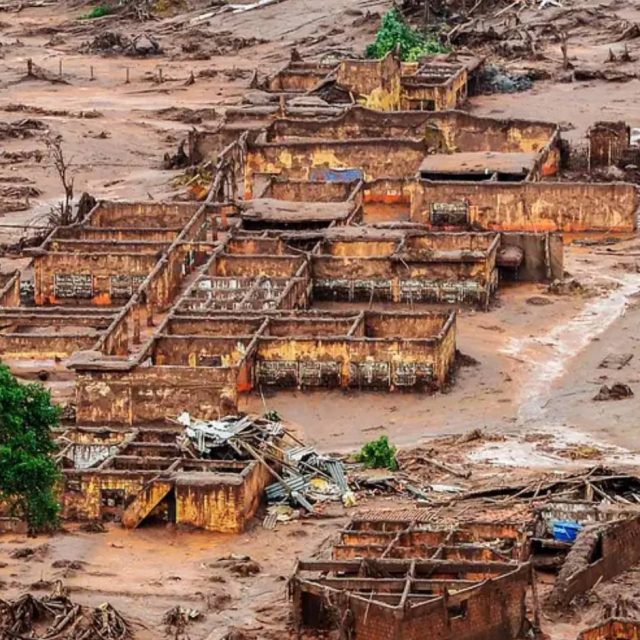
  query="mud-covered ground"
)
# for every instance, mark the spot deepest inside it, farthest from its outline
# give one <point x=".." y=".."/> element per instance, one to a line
<point x="539" y="364"/>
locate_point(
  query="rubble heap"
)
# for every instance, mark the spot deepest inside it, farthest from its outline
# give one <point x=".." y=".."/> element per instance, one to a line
<point x="56" y="617"/>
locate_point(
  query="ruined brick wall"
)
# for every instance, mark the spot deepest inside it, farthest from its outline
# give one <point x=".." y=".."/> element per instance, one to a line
<point x="358" y="123"/>
<point x="360" y="279"/>
<point x="613" y="629"/>
<point x="210" y="504"/>
<point x="377" y="80"/>
<point x="355" y="363"/>
<point x="494" y="609"/>
<point x="231" y="266"/>
<point x="208" y="145"/>
<point x="607" y="143"/>
<point x="95" y="234"/>
<point x="43" y="345"/>
<point x="297" y="77"/>
<point x="532" y="206"/>
<point x="255" y="479"/>
<point x="303" y="191"/>
<point x="447" y="131"/>
<point x="466" y="132"/>
<point x="386" y="200"/>
<point x="199" y="351"/>
<point x="370" y="158"/>
<point x="222" y="502"/>
<point x="151" y="394"/>
<point x="81" y="496"/>
<point x="137" y="246"/>
<point x="142" y="215"/>
<point x="599" y="553"/>
<point x="99" y="278"/>
<point x="422" y="95"/>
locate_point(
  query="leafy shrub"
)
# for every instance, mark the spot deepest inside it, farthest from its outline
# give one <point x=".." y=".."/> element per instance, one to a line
<point x="379" y="454"/>
<point x="395" y="32"/>
<point x="98" y="12"/>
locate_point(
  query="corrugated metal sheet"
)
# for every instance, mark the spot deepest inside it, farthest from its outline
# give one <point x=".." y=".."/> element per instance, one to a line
<point x="335" y="469"/>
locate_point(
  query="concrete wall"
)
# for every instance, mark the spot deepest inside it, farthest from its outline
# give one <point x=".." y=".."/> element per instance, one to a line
<point x="96" y="234"/>
<point x="84" y="501"/>
<point x="221" y="502"/>
<point x="297" y="77"/>
<point x="140" y="214"/>
<point x="304" y="191"/>
<point x="533" y="206"/>
<point x="151" y="394"/>
<point x="43" y="345"/>
<point x="199" y="351"/>
<point x="446" y="131"/>
<point x="363" y="279"/>
<point x="376" y="82"/>
<point x="373" y="158"/>
<point x="356" y="362"/>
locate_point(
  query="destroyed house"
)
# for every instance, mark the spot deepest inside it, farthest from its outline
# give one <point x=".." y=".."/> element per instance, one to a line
<point x="103" y="260"/>
<point x="367" y="144"/>
<point x="443" y="170"/>
<point x="434" y="86"/>
<point x="84" y="277"/>
<point x="385" y="84"/>
<point x="145" y="475"/>
<point x="243" y="321"/>
<point x="407" y="267"/>
<point x="600" y="552"/>
<point x="395" y="578"/>
<point x="50" y="333"/>
<point x="201" y="360"/>
<point x="381" y="535"/>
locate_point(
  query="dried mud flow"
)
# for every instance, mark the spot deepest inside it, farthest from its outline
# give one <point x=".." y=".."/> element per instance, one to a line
<point x="122" y="94"/>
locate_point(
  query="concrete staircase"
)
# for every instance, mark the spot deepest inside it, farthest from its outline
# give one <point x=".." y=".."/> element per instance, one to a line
<point x="146" y="501"/>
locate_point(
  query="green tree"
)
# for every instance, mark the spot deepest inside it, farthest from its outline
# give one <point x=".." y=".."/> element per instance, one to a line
<point x="28" y="473"/>
<point x="395" y="33"/>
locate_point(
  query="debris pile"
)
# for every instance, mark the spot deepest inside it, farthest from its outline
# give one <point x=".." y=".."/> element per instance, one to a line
<point x="201" y="45"/>
<point x="496" y="80"/>
<point x="616" y="391"/>
<point x="177" y="619"/>
<point x="26" y="128"/>
<point x="115" y="43"/>
<point x="303" y="476"/>
<point x="56" y="617"/>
